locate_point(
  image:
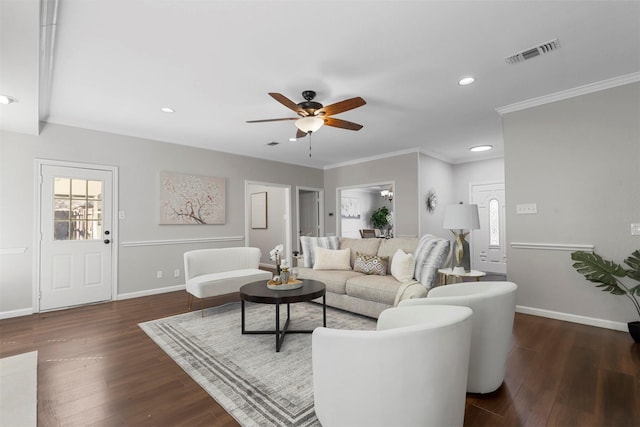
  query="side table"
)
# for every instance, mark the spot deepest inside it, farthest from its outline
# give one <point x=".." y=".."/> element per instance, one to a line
<point x="446" y="273"/>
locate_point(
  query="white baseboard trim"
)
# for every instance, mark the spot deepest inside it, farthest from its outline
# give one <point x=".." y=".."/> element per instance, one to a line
<point x="149" y="292"/>
<point x="574" y="318"/>
<point x="16" y="313"/>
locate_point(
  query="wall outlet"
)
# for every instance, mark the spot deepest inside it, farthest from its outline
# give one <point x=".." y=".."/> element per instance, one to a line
<point x="526" y="209"/>
<point x="176" y="272"/>
<point x="159" y="274"/>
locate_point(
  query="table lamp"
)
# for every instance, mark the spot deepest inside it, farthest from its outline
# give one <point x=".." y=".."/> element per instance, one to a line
<point x="458" y="218"/>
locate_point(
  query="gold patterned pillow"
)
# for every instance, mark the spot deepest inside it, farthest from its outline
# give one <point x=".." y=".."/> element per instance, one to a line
<point x="371" y="264"/>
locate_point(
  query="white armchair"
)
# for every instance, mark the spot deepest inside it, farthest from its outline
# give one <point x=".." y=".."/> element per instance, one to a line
<point x="493" y="305"/>
<point x="412" y="371"/>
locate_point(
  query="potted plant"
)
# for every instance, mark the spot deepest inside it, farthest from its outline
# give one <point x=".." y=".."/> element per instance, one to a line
<point x="379" y="218"/>
<point x="610" y="277"/>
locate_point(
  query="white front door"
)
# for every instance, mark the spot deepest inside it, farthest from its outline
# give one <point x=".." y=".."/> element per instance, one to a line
<point x="75" y="240"/>
<point x="488" y="243"/>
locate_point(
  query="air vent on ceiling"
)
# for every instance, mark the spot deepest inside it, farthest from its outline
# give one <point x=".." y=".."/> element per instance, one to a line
<point x="547" y="47"/>
<point x="272" y="143"/>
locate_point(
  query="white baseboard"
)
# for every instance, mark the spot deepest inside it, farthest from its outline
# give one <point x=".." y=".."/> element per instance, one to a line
<point x="16" y="313"/>
<point x="574" y="318"/>
<point x="150" y="292"/>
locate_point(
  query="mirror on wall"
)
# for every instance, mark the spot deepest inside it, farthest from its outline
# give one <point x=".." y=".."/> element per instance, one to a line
<point x="357" y="205"/>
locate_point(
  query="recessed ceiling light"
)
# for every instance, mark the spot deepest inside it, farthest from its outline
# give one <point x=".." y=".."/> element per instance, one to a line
<point x="479" y="148"/>
<point x="293" y="139"/>
<point x="466" y="81"/>
<point x="6" y="99"/>
<point x="167" y="110"/>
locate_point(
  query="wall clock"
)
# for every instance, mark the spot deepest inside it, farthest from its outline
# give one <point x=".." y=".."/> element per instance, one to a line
<point x="431" y="200"/>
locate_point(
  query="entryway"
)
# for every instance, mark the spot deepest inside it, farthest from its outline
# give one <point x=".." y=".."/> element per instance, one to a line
<point x="75" y="228"/>
<point x="488" y="243"/>
<point x="310" y="208"/>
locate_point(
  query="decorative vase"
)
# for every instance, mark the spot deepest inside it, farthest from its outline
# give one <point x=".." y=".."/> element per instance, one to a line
<point x="284" y="276"/>
<point x="634" y="330"/>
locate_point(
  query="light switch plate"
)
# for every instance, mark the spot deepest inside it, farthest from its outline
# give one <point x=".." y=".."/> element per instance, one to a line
<point x="635" y="229"/>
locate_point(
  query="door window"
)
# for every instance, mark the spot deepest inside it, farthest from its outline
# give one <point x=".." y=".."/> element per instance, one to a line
<point x="77" y="209"/>
<point x="494" y="222"/>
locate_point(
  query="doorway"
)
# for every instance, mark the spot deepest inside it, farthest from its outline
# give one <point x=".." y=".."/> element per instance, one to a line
<point x="488" y="243"/>
<point x="357" y="203"/>
<point x="274" y="227"/>
<point x="309" y="208"/>
<point x="75" y="235"/>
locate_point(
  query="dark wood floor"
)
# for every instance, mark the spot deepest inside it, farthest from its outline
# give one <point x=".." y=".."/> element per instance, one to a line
<point x="96" y="367"/>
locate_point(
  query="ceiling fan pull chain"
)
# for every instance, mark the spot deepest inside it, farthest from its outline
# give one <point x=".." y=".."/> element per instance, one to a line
<point x="310" y="144"/>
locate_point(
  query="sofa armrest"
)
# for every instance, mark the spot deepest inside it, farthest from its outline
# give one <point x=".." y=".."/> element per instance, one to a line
<point x="410" y="290"/>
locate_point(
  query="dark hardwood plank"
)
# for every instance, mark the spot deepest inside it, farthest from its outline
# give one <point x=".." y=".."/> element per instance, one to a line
<point x="97" y="367"/>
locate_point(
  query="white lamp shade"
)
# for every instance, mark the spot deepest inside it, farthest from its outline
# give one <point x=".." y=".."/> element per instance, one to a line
<point x="309" y="124"/>
<point x="461" y="217"/>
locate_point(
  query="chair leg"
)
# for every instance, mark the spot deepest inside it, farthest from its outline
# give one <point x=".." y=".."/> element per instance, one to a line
<point x="202" y="306"/>
<point x="189" y="301"/>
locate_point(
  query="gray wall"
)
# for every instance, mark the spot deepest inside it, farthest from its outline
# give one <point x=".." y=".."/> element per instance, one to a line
<point x="438" y="175"/>
<point x="482" y="171"/>
<point x="402" y="169"/>
<point x="140" y="161"/>
<point x="579" y="160"/>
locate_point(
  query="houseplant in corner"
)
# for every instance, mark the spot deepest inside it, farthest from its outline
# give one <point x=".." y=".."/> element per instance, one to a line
<point x="611" y="277"/>
<point x="379" y="218"/>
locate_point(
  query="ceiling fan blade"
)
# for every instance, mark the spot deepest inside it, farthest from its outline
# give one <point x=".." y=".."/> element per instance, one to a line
<point x="342" y="106"/>
<point x="272" y="120"/>
<point x="287" y="102"/>
<point x="300" y="134"/>
<point x="342" y="124"/>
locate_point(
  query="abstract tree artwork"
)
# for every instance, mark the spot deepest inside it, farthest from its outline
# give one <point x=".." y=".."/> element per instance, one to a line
<point x="191" y="199"/>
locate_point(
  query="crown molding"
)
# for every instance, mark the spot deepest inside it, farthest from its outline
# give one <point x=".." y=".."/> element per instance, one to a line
<point x="368" y="159"/>
<point x="570" y="93"/>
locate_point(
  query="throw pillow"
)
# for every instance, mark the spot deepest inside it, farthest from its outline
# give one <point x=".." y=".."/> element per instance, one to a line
<point x="332" y="259"/>
<point x="403" y="266"/>
<point x="371" y="264"/>
<point x="308" y="246"/>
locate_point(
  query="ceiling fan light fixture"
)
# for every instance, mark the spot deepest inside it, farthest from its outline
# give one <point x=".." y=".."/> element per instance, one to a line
<point x="309" y="124"/>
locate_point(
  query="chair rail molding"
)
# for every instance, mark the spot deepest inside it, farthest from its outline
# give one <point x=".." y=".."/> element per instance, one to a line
<point x="133" y="244"/>
<point x="12" y="251"/>
<point x="552" y="246"/>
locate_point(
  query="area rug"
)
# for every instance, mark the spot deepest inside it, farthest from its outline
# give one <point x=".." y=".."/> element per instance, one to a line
<point x="243" y="373"/>
<point x="18" y="390"/>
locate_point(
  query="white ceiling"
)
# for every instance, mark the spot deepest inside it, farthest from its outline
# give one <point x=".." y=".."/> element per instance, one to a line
<point x="116" y="63"/>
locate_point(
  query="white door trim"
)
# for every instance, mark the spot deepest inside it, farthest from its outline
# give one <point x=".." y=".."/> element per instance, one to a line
<point x="38" y="164"/>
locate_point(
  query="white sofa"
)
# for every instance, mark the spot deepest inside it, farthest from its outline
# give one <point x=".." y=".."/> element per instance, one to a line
<point x="219" y="271"/>
<point x="369" y="294"/>
<point x="493" y="305"/>
<point x="411" y="371"/>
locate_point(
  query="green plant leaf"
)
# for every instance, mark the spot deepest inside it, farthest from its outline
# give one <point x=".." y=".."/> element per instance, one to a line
<point x="634" y="262"/>
<point x="598" y="270"/>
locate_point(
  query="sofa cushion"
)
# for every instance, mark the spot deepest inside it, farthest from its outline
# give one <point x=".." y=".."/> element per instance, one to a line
<point x="334" y="280"/>
<point x="309" y="245"/>
<point x="382" y="289"/>
<point x="403" y="266"/>
<point x="371" y="264"/>
<point x="431" y="254"/>
<point x="332" y="259"/>
<point x="388" y="247"/>
<point x="224" y="282"/>
<point x="364" y="246"/>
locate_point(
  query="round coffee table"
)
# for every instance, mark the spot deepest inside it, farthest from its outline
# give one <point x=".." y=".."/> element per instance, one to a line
<point x="258" y="292"/>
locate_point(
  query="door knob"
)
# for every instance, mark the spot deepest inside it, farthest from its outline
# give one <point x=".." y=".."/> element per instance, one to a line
<point x="107" y="241"/>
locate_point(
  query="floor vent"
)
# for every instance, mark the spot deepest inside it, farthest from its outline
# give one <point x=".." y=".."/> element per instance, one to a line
<point x="547" y="47"/>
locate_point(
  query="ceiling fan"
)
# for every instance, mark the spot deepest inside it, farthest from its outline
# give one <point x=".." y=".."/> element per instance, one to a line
<point x="313" y="114"/>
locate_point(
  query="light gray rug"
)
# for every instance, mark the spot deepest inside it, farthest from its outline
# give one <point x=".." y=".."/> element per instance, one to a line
<point x="243" y="373"/>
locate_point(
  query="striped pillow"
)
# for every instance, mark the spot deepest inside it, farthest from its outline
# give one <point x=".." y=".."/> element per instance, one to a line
<point x="431" y="254"/>
<point x="309" y="244"/>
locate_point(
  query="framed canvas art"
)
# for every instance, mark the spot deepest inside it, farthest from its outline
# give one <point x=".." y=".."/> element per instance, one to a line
<point x="259" y="210"/>
<point x="191" y="199"/>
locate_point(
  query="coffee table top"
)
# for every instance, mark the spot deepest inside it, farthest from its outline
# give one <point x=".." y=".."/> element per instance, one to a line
<point x="258" y="292"/>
